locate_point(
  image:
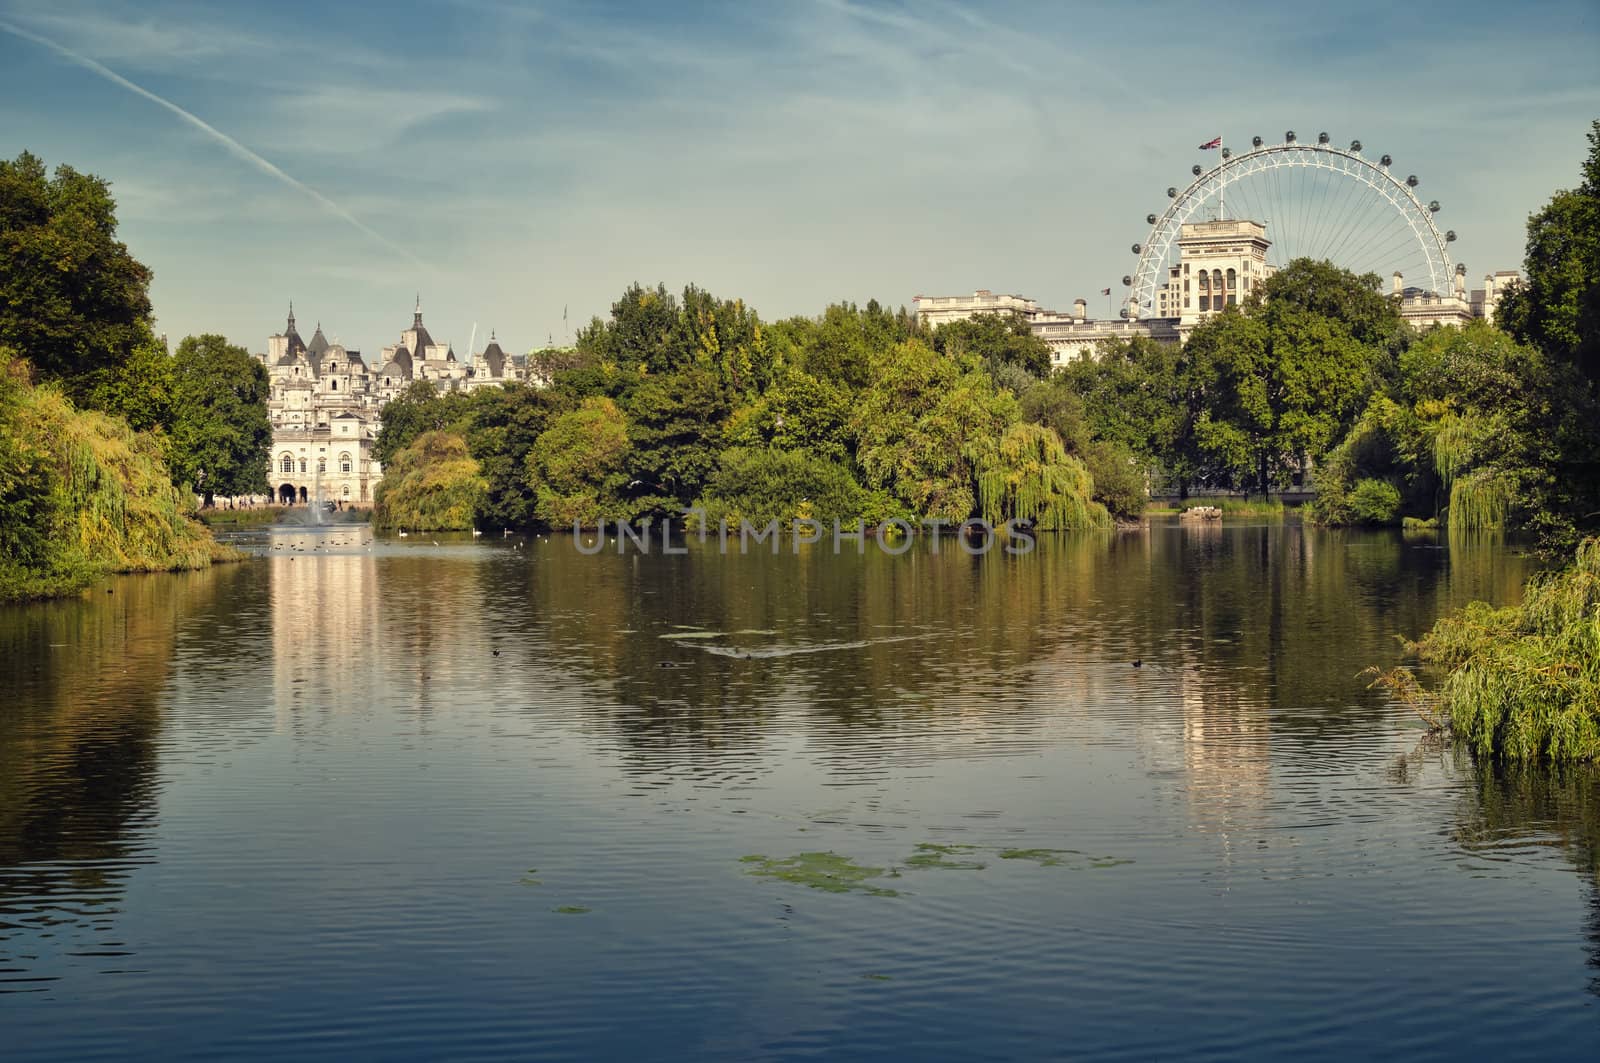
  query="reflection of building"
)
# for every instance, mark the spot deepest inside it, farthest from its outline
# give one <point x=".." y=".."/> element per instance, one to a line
<point x="1220" y="263"/>
<point x="326" y="637"/>
<point x="326" y="404"/>
<point x="1227" y="760"/>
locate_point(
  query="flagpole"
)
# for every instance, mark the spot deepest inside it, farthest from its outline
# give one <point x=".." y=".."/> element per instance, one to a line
<point x="1222" y="177"/>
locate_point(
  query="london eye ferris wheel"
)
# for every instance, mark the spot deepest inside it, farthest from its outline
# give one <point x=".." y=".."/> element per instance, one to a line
<point x="1317" y="201"/>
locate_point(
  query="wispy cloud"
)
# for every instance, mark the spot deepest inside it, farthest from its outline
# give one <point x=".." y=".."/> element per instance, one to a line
<point x="233" y="146"/>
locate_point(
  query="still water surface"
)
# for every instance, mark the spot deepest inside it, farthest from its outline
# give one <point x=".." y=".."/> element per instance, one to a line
<point x="394" y="800"/>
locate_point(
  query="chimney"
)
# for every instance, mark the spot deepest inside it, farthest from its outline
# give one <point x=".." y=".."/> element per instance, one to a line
<point x="1399" y="282"/>
<point x="1488" y="288"/>
<point x="1080" y="309"/>
<point x="1461" y="282"/>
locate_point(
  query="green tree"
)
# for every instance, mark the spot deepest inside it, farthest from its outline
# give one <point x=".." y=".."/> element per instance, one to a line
<point x="221" y="435"/>
<point x="502" y="427"/>
<point x="1557" y="308"/>
<point x="140" y="389"/>
<point x="1029" y="476"/>
<point x="433" y="484"/>
<point x="923" y="425"/>
<point x="675" y="431"/>
<point x="72" y="299"/>
<point x="998" y="339"/>
<point x="418" y="409"/>
<point x="643" y="332"/>
<point x="798" y="412"/>
<point x="578" y="466"/>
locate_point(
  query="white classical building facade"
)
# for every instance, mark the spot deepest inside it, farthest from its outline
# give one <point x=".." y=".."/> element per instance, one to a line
<point x="1220" y="264"/>
<point x="326" y="405"/>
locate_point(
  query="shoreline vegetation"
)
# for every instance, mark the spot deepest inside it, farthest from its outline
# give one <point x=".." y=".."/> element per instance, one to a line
<point x="85" y="496"/>
<point x="1520" y="683"/>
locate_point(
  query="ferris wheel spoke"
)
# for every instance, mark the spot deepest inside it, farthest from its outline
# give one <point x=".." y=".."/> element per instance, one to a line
<point x="1348" y="211"/>
<point x="1338" y="213"/>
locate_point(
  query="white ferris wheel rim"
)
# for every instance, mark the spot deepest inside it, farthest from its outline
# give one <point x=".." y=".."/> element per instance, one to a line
<point x="1213" y="183"/>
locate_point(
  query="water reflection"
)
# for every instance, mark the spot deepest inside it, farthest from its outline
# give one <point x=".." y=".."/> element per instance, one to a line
<point x="348" y="754"/>
<point x="79" y="765"/>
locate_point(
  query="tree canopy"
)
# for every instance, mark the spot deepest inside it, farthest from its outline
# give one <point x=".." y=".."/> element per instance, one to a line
<point x="73" y="300"/>
<point x="221" y="436"/>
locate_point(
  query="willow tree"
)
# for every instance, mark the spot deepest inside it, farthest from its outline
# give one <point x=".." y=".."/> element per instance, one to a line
<point x="1028" y="475"/>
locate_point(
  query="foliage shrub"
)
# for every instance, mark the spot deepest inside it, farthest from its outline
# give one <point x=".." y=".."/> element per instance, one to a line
<point x="1520" y="683"/>
<point x="1375" y="502"/>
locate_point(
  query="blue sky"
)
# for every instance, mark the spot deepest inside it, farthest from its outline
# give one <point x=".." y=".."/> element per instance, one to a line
<point x="509" y="160"/>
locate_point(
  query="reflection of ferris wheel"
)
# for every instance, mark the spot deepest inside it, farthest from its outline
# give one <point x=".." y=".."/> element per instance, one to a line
<point x="1317" y="201"/>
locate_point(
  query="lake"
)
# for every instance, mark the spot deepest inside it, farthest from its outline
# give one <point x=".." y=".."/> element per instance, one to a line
<point x="445" y="798"/>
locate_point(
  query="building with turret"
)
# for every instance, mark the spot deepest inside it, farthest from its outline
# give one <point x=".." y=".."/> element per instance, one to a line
<point x="326" y="404"/>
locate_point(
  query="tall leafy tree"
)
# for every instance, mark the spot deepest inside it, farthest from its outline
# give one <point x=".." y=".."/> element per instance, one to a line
<point x="675" y="427"/>
<point x="1557" y="309"/>
<point x="998" y="339"/>
<point x="221" y="435"/>
<point x="924" y="424"/>
<point x="578" y="466"/>
<point x="73" y="300"/>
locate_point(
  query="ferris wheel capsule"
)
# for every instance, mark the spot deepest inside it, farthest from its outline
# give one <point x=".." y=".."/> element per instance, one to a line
<point x="1288" y="137"/>
<point x="1411" y="182"/>
<point x="1434" y="206"/>
<point x="1196" y="170"/>
<point x="1127" y="281"/>
<point x="1255" y="142"/>
<point x="1227" y="153"/>
<point x="1386" y="161"/>
<point x="1355" y="145"/>
<point x="1149" y="219"/>
<point x="1137" y="248"/>
<point x="1450" y="236"/>
<point x="1322" y="138"/>
<point x="1172" y="193"/>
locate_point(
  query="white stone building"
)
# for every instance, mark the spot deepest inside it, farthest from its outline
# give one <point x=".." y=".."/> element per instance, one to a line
<point x="326" y="405"/>
<point x="1220" y="263"/>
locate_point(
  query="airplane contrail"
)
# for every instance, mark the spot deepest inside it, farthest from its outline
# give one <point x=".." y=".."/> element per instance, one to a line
<point x="211" y="131"/>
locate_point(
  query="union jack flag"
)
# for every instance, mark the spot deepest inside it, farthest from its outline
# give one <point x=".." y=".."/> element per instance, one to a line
<point x="1214" y="142"/>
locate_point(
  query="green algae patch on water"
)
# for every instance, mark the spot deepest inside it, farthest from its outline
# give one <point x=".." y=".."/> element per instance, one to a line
<point x="944" y="857"/>
<point x="828" y="871"/>
<point x="1042" y="857"/>
<point x="571" y="909"/>
<point x="1108" y="861"/>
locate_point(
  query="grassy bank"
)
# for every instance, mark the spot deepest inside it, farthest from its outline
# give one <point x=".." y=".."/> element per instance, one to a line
<point x="82" y="495"/>
<point x="1520" y="683"/>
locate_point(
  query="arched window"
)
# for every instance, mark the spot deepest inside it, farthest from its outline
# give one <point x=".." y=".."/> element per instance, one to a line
<point x="287" y="464"/>
<point x="335" y="383"/>
<point x="346" y="491"/>
<point x="344" y="462"/>
<point x="1233" y="288"/>
<point x="322" y="464"/>
<point x="1205" y="290"/>
<point x="302" y="465"/>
